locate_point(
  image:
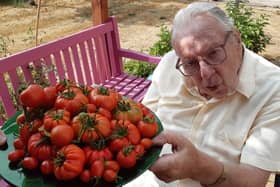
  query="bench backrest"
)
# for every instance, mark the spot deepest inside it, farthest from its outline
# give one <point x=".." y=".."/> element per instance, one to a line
<point x="89" y="57"/>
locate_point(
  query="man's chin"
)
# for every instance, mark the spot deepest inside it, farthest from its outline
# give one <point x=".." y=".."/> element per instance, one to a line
<point x="218" y="92"/>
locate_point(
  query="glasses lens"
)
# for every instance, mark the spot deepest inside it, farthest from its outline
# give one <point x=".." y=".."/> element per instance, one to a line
<point x="188" y="67"/>
<point x="216" y="56"/>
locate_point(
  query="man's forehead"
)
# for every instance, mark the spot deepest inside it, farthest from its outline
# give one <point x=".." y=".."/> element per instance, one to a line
<point x="205" y="25"/>
<point x="204" y="29"/>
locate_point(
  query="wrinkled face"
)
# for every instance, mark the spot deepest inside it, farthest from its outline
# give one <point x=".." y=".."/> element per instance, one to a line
<point x="203" y="42"/>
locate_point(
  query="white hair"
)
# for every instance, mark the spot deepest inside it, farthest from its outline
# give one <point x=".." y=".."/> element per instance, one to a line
<point x="184" y="17"/>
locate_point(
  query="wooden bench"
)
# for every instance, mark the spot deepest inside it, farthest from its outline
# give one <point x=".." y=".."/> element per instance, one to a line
<point x="92" y="56"/>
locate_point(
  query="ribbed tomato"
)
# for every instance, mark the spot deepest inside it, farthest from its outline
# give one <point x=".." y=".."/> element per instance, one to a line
<point x="69" y="162"/>
<point x="38" y="147"/>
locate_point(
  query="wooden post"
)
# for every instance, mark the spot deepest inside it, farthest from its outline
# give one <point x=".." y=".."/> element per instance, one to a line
<point x="99" y="11"/>
<point x="37" y="22"/>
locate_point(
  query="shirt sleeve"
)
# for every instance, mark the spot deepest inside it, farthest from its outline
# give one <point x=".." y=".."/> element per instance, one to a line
<point x="154" y="93"/>
<point x="152" y="96"/>
<point x="262" y="146"/>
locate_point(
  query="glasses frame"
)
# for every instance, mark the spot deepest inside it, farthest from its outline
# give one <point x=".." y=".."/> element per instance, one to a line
<point x="178" y="66"/>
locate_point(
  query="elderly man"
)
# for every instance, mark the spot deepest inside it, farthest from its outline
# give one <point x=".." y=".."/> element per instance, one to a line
<point x="219" y="103"/>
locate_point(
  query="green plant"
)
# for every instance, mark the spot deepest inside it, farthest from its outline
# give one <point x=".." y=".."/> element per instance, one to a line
<point x="159" y="48"/>
<point x="138" y="68"/>
<point x="163" y="45"/>
<point x="4" y="46"/>
<point x="250" y="27"/>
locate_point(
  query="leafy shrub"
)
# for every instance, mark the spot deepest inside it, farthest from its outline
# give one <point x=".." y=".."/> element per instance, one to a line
<point x="162" y="46"/>
<point x="251" y="28"/>
<point x="138" y="68"/>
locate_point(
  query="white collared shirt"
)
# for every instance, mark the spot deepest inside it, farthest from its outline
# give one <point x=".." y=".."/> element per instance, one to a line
<point x="243" y="127"/>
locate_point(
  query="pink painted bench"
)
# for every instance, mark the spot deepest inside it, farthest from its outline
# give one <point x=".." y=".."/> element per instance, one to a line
<point x="92" y="56"/>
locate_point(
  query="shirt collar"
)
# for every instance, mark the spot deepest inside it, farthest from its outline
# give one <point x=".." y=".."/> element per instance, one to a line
<point x="247" y="83"/>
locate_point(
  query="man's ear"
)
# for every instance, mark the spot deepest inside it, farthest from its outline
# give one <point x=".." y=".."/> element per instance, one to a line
<point x="237" y="35"/>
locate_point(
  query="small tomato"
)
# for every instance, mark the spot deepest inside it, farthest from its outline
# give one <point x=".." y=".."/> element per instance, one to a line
<point x="29" y="163"/>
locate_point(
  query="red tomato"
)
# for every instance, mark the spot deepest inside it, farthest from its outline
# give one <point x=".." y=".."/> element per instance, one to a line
<point x="46" y="167"/>
<point x="102" y="126"/>
<point x="104" y="97"/>
<point x="18" y="144"/>
<point x="146" y="142"/>
<point x="144" y="109"/>
<point x="35" y="125"/>
<point x="72" y="101"/>
<point x="119" y="124"/>
<point x="148" y="127"/>
<point x="127" y="157"/>
<point x="69" y="162"/>
<point x="85" y="176"/>
<point x="109" y="175"/>
<point x="97" y="168"/>
<point x="94" y="154"/>
<point x="90" y="108"/>
<point x="29" y="163"/>
<point x="3" y="138"/>
<point x="140" y="150"/>
<point x="54" y="118"/>
<point x="20" y="119"/>
<point x="63" y="85"/>
<point x="104" y="112"/>
<point x="128" y="110"/>
<point x="112" y="164"/>
<point x="38" y="147"/>
<point x="16" y="155"/>
<point x="62" y="135"/>
<point x="94" y="123"/>
<point x="24" y="133"/>
<point x="33" y="96"/>
<point x="134" y="135"/>
<point x="84" y="127"/>
<point x="51" y="95"/>
<point x="117" y="144"/>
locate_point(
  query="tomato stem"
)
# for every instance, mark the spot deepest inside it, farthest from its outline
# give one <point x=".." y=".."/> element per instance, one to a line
<point x="60" y="158"/>
<point x="87" y="122"/>
<point x="102" y="90"/>
<point x="127" y="149"/>
<point x="69" y="94"/>
<point x="123" y="105"/>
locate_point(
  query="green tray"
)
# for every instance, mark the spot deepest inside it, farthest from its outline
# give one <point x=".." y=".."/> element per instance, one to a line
<point x="17" y="177"/>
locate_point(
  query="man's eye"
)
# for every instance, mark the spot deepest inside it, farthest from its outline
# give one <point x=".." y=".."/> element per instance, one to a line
<point x="216" y="53"/>
<point x="213" y="53"/>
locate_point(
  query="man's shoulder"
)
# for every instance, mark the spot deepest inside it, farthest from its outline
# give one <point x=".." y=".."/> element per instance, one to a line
<point x="170" y="56"/>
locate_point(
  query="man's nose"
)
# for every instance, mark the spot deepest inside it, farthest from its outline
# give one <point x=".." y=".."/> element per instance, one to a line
<point x="206" y="70"/>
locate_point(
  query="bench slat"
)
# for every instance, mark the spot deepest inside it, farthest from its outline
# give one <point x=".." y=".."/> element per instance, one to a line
<point x="85" y="63"/>
<point x="95" y="74"/>
<point x="6" y="100"/>
<point x="50" y="74"/>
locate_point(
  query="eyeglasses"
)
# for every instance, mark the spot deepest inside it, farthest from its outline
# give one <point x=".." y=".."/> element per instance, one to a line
<point x="214" y="56"/>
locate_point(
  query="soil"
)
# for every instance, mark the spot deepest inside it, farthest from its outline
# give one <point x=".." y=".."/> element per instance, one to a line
<point x="139" y="22"/>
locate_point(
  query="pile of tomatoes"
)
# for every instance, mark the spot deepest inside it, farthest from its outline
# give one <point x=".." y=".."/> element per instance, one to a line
<point x="72" y="131"/>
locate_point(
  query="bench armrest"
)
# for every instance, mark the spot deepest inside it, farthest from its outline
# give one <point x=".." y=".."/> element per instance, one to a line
<point x="139" y="56"/>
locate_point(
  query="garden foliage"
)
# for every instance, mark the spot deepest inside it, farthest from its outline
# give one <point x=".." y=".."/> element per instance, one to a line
<point x="250" y="26"/>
